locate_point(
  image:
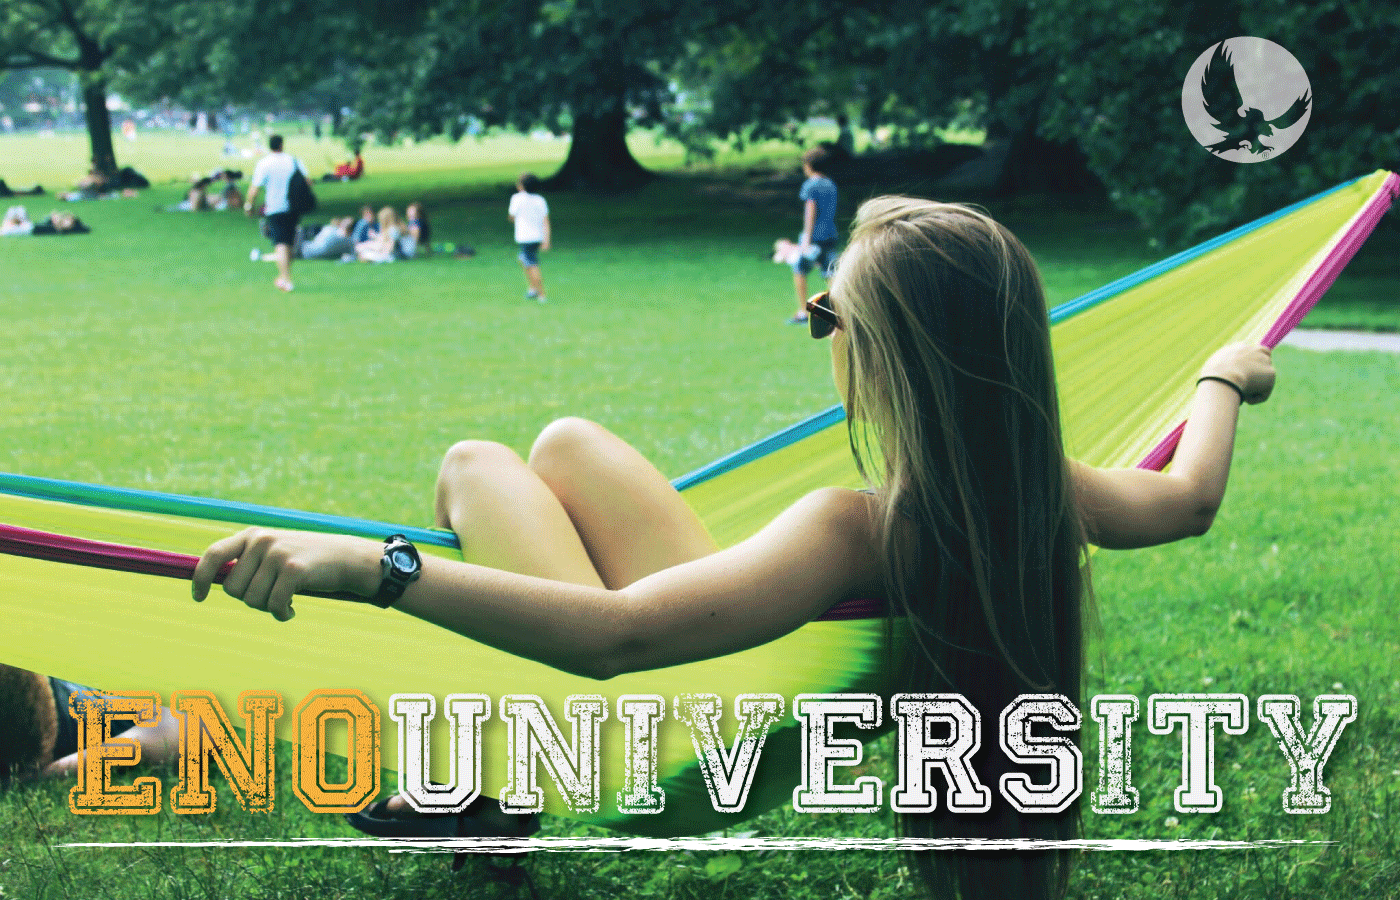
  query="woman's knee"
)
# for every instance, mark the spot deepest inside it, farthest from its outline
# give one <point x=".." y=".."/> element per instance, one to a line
<point x="566" y="445"/>
<point x="476" y="459"/>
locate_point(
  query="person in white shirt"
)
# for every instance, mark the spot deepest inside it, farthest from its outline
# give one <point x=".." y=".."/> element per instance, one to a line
<point x="530" y="213"/>
<point x="273" y="173"/>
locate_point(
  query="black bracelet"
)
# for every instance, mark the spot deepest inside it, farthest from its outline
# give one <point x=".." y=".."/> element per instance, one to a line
<point x="1225" y="381"/>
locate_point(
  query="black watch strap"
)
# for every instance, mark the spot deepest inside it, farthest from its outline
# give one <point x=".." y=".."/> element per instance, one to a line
<point x="399" y="567"/>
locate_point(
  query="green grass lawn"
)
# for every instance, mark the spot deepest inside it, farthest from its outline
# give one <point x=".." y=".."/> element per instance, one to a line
<point x="153" y="354"/>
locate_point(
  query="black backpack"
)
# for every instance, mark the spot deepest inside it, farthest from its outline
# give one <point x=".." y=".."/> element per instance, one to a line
<point x="300" y="199"/>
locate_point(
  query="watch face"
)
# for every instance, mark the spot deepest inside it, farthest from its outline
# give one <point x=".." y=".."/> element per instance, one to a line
<point x="402" y="561"/>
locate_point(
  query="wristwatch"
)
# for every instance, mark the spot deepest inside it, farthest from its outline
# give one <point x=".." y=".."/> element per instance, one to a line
<point x="400" y="565"/>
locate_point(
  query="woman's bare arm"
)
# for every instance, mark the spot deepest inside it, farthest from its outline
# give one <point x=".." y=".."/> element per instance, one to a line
<point x="814" y="555"/>
<point x="1127" y="508"/>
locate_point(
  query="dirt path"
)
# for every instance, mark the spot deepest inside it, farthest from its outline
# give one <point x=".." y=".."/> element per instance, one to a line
<point x="1364" y="341"/>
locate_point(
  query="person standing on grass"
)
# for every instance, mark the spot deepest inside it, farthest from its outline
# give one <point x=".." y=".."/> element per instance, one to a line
<point x="274" y="173"/>
<point x="530" y="213"/>
<point x="818" y="196"/>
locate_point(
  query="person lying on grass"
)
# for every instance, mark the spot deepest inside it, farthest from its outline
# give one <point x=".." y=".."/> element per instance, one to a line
<point x="973" y="530"/>
<point x="39" y="738"/>
<point x="18" y="223"/>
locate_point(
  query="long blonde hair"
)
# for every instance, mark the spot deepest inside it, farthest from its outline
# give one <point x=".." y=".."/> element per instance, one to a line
<point x="955" y="422"/>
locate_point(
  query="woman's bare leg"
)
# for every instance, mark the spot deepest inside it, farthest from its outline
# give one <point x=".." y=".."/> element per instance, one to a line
<point x="630" y="519"/>
<point x="588" y="508"/>
<point x="506" y="517"/>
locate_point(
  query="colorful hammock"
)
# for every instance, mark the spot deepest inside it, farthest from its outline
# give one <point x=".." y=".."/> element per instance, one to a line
<point x="1254" y="283"/>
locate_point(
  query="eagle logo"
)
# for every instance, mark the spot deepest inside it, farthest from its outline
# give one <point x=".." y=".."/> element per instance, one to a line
<point x="1246" y="99"/>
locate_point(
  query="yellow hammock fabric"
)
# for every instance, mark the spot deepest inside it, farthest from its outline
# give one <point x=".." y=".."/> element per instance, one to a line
<point x="1125" y="370"/>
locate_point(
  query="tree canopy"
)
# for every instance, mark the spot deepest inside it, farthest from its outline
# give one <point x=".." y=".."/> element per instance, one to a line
<point x="91" y="38"/>
<point x="1070" y="85"/>
<point x="1116" y="73"/>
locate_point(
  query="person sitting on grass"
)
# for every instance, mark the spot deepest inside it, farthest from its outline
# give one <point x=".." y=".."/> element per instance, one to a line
<point x="16" y="222"/>
<point x="91" y="186"/>
<point x="196" y="198"/>
<point x="383" y="247"/>
<point x="231" y="195"/>
<point x="7" y="191"/>
<point x="60" y="222"/>
<point x="331" y="241"/>
<point x="365" y="226"/>
<point x="973" y="529"/>
<point x="347" y="171"/>
<point x="418" y="232"/>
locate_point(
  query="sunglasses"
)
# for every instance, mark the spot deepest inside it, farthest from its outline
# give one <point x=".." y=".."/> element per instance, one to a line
<point x="822" y="320"/>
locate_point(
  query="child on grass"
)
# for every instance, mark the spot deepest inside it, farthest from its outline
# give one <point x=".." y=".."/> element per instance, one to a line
<point x="530" y="213"/>
<point x="818" y="196"/>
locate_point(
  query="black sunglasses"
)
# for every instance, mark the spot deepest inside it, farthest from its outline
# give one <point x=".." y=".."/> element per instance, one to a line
<point x="822" y="320"/>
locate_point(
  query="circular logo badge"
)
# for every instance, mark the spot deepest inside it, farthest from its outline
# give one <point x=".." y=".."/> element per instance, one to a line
<point x="1246" y="99"/>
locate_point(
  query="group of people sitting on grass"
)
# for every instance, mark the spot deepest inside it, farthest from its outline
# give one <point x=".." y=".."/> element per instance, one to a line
<point x="380" y="238"/>
<point x="217" y="191"/>
<point x="18" y="223"/>
<point x="386" y="237"/>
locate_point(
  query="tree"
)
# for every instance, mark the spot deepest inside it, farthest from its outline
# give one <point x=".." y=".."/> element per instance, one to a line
<point x="592" y="68"/>
<point x="589" y="67"/>
<point x="274" y="53"/>
<point x="1118" y="71"/>
<point x="900" y="63"/>
<point x="914" y="67"/>
<point x="87" y="37"/>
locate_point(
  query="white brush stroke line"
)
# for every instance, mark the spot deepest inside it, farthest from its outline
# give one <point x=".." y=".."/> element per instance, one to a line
<point x="624" y="844"/>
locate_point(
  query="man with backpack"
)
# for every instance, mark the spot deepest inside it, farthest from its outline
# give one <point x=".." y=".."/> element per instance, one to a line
<point x="288" y="198"/>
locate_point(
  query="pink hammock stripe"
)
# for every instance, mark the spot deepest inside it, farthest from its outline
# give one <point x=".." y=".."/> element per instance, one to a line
<point x="61" y="548"/>
<point x="1308" y="295"/>
<point x="80" y="551"/>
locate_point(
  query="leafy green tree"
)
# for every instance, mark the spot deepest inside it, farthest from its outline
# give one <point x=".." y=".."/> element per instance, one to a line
<point x="92" y="39"/>
<point x="272" y="53"/>
<point x="589" y="67"/>
<point x="1116" y="72"/>
<point x="912" y="66"/>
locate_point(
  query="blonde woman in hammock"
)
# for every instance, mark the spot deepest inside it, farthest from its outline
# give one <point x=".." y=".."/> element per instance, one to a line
<point x="974" y="529"/>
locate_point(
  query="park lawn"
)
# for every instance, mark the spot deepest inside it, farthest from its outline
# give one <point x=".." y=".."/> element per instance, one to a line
<point x="1291" y="592"/>
<point x="153" y="354"/>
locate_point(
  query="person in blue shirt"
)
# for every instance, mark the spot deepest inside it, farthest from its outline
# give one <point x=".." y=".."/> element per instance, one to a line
<point x="365" y="227"/>
<point x="818" y="196"/>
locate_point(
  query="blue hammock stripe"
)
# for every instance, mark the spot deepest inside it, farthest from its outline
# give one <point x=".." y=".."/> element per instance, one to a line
<point x="277" y="517"/>
<point x="133" y="500"/>
<point x="1114" y="288"/>
<point x="1069" y="308"/>
<point x="790" y="435"/>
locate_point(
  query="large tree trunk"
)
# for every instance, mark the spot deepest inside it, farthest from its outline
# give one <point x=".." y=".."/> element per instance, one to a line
<point x="1035" y="165"/>
<point x="99" y="123"/>
<point x="598" y="155"/>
